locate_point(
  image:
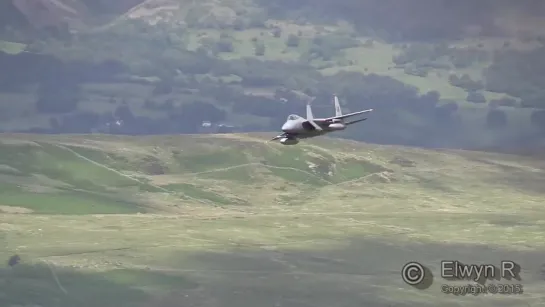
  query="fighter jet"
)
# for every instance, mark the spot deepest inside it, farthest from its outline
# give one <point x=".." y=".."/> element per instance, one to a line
<point x="296" y="127"/>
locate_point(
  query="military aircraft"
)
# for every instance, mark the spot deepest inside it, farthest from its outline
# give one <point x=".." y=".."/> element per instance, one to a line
<point x="296" y="127"/>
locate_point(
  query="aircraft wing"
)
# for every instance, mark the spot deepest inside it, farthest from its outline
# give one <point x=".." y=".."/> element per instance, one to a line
<point x="349" y="114"/>
<point x="355" y="121"/>
<point x="325" y="121"/>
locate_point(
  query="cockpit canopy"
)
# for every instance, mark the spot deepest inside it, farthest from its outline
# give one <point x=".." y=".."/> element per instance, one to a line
<point x="293" y="117"/>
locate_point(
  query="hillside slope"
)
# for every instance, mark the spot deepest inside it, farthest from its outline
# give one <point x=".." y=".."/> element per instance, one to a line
<point x="438" y="74"/>
<point x="230" y="220"/>
<point x="240" y="172"/>
<point x="54" y="13"/>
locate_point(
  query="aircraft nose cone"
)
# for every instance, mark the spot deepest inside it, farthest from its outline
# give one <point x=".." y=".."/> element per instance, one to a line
<point x="286" y="127"/>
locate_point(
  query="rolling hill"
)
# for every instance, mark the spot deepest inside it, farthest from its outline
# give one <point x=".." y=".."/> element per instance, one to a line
<point x="230" y="220"/>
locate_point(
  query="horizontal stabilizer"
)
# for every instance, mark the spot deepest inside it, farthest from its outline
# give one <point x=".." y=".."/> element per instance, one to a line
<point x="351" y="114"/>
<point x="355" y="121"/>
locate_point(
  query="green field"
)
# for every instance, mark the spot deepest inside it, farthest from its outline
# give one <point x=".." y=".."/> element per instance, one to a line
<point x="11" y="47"/>
<point x="229" y="220"/>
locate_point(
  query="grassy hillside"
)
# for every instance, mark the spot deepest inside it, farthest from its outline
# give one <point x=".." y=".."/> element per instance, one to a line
<point x="230" y="220"/>
<point x="373" y="55"/>
<point x="250" y="23"/>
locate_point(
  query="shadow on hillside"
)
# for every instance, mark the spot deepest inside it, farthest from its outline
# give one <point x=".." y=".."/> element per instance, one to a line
<point x="46" y="285"/>
<point x="40" y="285"/>
<point x="364" y="272"/>
<point x="526" y="182"/>
<point x="518" y="178"/>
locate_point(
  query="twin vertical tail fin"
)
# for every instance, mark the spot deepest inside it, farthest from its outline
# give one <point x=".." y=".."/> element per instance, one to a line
<point x="338" y="111"/>
<point x="310" y="117"/>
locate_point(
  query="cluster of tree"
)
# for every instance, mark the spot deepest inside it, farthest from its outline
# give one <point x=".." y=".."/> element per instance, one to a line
<point x="538" y="119"/>
<point x="201" y="17"/>
<point x="496" y="119"/>
<point x="423" y="20"/>
<point x="258" y="73"/>
<point x="321" y="47"/>
<point x="476" y="97"/>
<point x="420" y="53"/>
<point x="405" y="115"/>
<point x="328" y="46"/>
<point x="520" y="74"/>
<point x="28" y="68"/>
<point x="503" y="102"/>
<point x="417" y="70"/>
<point x="178" y="70"/>
<point x="183" y="119"/>
<point x="57" y="98"/>
<point x="428" y="55"/>
<point x="110" y="7"/>
<point x="465" y="82"/>
<point x="212" y="99"/>
<point x="259" y="47"/>
<point x="133" y="42"/>
<point x="211" y="46"/>
<point x="463" y="58"/>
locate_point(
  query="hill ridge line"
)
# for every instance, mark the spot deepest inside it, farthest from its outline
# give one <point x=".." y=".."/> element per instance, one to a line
<point x="257" y="163"/>
<point x="169" y="193"/>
